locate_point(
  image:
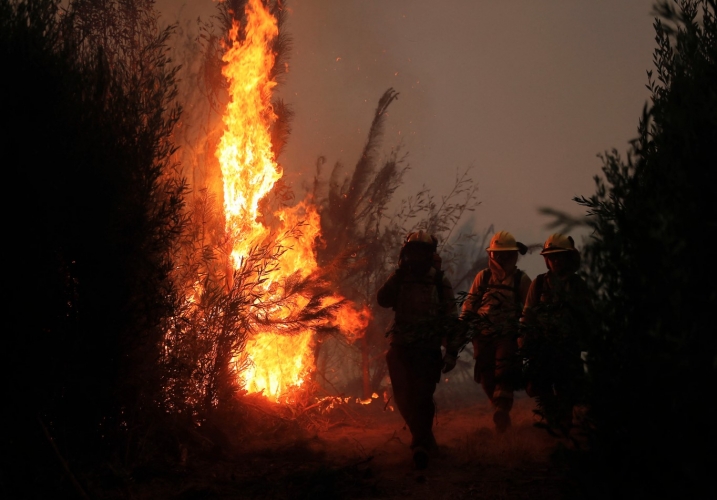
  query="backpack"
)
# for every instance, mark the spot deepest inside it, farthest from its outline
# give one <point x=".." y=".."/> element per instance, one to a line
<point x="417" y="296"/>
<point x="516" y="287"/>
<point x="540" y="283"/>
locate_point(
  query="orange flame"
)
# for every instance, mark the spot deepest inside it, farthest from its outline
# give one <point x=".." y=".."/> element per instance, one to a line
<point x="279" y="363"/>
<point x="353" y="322"/>
<point x="244" y="152"/>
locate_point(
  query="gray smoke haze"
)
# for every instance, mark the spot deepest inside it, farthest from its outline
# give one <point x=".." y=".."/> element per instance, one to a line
<point x="526" y="92"/>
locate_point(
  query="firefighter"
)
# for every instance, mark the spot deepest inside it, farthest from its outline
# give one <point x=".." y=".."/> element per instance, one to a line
<point x="425" y="308"/>
<point x="492" y="311"/>
<point x="555" y="319"/>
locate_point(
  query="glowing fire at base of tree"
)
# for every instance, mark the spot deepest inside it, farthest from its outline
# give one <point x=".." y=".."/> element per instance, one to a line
<point x="277" y="362"/>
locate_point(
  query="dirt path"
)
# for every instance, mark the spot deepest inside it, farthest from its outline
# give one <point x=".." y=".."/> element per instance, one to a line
<point x="363" y="452"/>
<point x="473" y="461"/>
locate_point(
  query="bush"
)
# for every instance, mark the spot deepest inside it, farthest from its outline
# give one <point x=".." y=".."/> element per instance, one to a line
<point x="653" y="364"/>
<point x="87" y="115"/>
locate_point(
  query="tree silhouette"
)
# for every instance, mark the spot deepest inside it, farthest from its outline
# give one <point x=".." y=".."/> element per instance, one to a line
<point x="652" y="363"/>
<point x="364" y="228"/>
<point x="88" y="114"/>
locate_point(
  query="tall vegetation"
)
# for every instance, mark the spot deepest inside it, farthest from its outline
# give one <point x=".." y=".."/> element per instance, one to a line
<point x="88" y="110"/>
<point x="205" y="344"/>
<point x="653" y="363"/>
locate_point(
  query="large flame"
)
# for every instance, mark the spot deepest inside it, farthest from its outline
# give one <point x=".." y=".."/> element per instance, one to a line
<point x="279" y="363"/>
<point x="245" y="153"/>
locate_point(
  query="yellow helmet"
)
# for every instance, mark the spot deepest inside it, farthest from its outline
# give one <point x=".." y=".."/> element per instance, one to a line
<point x="421" y="236"/>
<point x="503" y="241"/>
<point x="558" y="243"/>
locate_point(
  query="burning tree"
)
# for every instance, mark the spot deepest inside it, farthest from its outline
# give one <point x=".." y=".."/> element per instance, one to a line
<point x="321" y="259"/>
<point x="255" y="294"/>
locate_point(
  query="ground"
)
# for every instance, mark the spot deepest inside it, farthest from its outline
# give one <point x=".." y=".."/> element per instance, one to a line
<point x="362" y="452"/>
<point x="473" y="461"/>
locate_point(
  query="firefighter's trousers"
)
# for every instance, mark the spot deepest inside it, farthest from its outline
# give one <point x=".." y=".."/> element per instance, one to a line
<point x="415" y="370"/>
<point x="497" y="368"/>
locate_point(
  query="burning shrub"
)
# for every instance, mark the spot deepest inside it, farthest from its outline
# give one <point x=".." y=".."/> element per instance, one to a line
<point x="206" y="358"/>
<point x="254" y="303"/>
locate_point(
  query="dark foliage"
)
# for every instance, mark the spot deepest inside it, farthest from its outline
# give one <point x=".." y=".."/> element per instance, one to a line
<point x="653" y="364"/>
<point x="94" y="207"/>
<point x="363" y="229"/>
<point x="353" y="212"/>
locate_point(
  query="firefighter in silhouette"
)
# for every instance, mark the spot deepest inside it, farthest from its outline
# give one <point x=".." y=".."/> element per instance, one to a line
<point x="556" y="318"/>
<point x="492" y="312"/>
<point x="425" y="315"/>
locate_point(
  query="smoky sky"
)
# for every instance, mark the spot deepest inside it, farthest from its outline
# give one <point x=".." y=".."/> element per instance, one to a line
<point x="526" y="93"/>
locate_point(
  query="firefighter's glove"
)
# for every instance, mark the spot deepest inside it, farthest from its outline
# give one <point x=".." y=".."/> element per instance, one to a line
<point x="449" y="362"/>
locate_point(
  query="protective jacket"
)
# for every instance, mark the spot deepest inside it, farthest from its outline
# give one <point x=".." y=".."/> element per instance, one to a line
<point x="556" y="319"/>
<point x="495" y="301"/>
<point x="424" y="306"/>
<point x="558" y="307"/>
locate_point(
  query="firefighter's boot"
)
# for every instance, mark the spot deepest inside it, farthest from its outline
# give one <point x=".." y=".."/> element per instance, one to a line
<point x="501" y="415"/>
